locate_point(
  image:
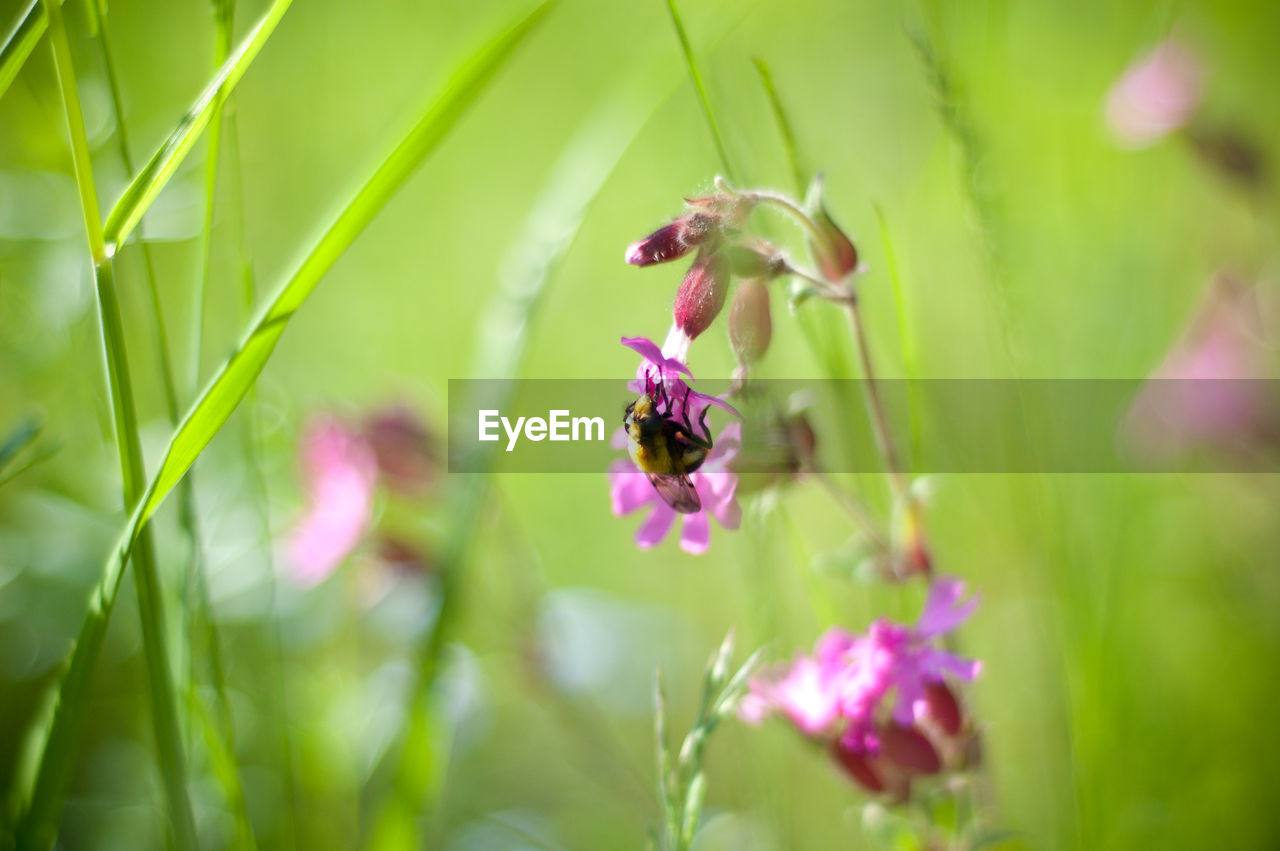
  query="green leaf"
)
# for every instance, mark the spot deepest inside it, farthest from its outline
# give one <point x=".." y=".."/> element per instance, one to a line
<point x="21" y="39"/>
<point x="141" y="192"/>
<point x="229" y="386"/>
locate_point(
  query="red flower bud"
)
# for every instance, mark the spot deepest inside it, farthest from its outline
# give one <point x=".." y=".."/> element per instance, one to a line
<point x="750" y="325"/>
<point x="909" y="749"/>
<point x="944" y="709"/>
<point x="674" y="240"/>
<point x="701" y="294"/>
<point x="858" y="765"/>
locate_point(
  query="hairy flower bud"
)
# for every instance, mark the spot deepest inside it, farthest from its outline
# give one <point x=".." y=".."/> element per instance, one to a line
<point x="672" y="241"/>
<point x="835" y="253"/>
<point x="750" y="325"/>
<point x="701" y="295"/>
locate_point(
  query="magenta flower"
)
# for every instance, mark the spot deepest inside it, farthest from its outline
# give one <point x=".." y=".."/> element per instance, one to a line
<point x="340" y="471"/>
<point x="868" y="695"/>
<point x="716" y="484"/>
<point x="1155" y="96"/>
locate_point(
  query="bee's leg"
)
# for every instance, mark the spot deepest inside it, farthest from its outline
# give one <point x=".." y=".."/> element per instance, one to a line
<point x="684" y="411"/>
<point x="702" y="424"/>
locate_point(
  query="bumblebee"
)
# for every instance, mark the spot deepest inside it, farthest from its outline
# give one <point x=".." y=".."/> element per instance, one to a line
<point x="666" y="447"/>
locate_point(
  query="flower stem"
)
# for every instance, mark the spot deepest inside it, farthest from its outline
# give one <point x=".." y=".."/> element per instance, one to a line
<point x="880" y="423"/>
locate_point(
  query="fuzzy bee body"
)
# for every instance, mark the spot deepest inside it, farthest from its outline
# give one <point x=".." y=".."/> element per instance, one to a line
<point x="666" y="449"/>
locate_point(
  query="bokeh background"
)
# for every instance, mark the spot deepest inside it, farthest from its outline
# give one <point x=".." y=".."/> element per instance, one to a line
<point x="1128" y="626"/>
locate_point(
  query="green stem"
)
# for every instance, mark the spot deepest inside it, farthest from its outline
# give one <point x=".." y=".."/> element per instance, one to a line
<point x="880" y="422"/>
<point x="146" y="578"/>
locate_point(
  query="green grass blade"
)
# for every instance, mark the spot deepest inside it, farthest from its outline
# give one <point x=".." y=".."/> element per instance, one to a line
<point x="220" y="398"/>
<point x="38" y="824"/>
<point x="146" y="185"/>
<point x="187" y="519"/>
<point x="910" y="350"/>
<point x="798" y="181"/>
<point x="21" y="39"/>
<point x="696" y="76"/>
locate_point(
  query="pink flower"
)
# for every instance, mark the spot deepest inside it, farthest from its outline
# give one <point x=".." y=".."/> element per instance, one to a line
<point x="843" y="690"/>
<point x="340" y="471"/>
<point x="1155" y="96"/>
<point x="1212" y="388"/>
<point x="715" y="483"/>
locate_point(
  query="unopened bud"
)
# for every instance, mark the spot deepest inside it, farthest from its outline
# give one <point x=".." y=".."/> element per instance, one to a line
<point x="907" y="748"/>
<point x="701" y="294"/>
<point x="756" y="259"/>
<point x="672" y="241"/>
<point x="750" y="325"/>
<point x="835" y="253"/>
<point x="943" y="708"/>
<point x="859" y="766"/>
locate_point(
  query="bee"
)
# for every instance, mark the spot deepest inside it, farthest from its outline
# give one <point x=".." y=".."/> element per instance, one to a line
<point x="665" y="447"/>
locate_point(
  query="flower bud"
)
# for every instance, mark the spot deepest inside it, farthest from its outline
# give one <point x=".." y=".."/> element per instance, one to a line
<point x="859" y="766"/>
<point x="672" y="241"/>
<point x="701" y="294"/>
<point x="756" y="259"/>
<point x="750" y="325"/>
<point x="835" y="253"/>
<point x="943" y="708"/>
<point x="909" y="749"/>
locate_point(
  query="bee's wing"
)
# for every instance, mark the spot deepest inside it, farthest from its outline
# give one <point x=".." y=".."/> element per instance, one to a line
<point x="677" y="491"/>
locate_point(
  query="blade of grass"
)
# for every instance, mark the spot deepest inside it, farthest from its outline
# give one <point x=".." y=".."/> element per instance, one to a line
<point x="221" y="48"/>
<point x="906" y="338"/>
<point x="696" y="76"/>
<point x="210" y="412"/>
<point x="798" y="181"/>
<point x="38" y="825"/>
<point x="20" y="41"/>
<point x="146" y="185"/>
<point x="187" y="519"/>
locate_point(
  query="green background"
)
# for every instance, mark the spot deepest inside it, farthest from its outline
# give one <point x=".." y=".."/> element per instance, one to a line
<point x="1128" y="625"/>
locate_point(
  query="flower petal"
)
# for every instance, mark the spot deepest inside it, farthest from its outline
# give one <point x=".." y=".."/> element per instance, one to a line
<point x="695" y="537"/>
<point x="941" y="612"/>
<point x="656" y="525"/>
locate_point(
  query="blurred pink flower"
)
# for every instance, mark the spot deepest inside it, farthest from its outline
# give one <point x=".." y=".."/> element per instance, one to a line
<point x="1155" y="96"/>
<point x="630" y="490"/>
<point x="340" y="471"/>
<point x="1212" y="388"/>
<point x="842" y="691"/>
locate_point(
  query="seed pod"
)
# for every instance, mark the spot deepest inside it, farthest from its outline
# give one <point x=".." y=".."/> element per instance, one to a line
<point x="750" y="325"/>
<point x="701" y="294"/>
